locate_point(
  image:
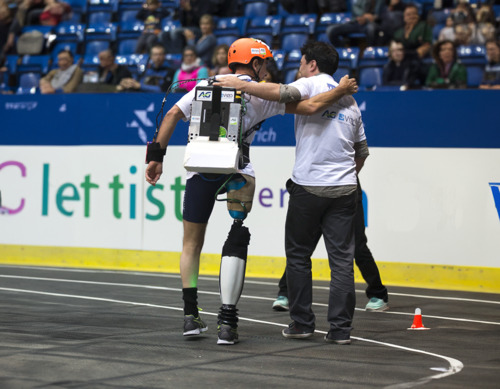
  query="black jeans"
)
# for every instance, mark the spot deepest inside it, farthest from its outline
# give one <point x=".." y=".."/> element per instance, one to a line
<point x="308" y="218"/>
<point x="362" y="257"/>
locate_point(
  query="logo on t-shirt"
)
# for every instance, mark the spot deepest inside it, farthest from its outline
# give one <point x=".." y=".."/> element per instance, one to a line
<point x="329" y="114"/>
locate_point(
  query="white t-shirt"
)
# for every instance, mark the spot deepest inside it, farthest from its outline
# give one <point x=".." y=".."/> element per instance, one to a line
<point x="257" y="110"/>
<point x="324" y="155"/>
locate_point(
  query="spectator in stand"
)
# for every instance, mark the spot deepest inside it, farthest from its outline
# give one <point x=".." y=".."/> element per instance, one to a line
<point x="491" y="78"/>
<point x="28" y="12"/>
<point x="415" y="35"/>
<point x="462" y="13"/>
<point x="446" y="71"/>
<point x="5" y="23"/>
<point x="157" y="77"/>
<point x="399" y="71"/>
<point x="54" y="13"/>
<point x="364" y="13"/>
<point x="64" y="79"/>
<point x="448" y="31"/>
<point x="191" y="71"/>
<point x="151" y="14"/>
<point x="219" y="61"/>
<point x="466" y="36"/>
<point x="305" y="7"/>
<point x="206" y="44"/>
<point x="109" y="71"/>
<point x="333" y="6"/>
<point x="190" y="13"/>
<point x="390" y="20"/>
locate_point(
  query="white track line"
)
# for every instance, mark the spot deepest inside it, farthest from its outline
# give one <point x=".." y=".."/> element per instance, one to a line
<point x="217" y="293"/>
<point x="215" y="278"/>
<point x="455" y="365"/>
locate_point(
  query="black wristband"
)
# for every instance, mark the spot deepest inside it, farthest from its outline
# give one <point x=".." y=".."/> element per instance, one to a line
<point x="154" y="152"/>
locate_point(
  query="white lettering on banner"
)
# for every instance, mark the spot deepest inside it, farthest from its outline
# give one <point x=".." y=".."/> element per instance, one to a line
<point x="266" y="136"/>
<point x="21" y="105"/>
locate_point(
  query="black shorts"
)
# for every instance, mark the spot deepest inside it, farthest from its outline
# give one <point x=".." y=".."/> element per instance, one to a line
<point x="199" y="197"/>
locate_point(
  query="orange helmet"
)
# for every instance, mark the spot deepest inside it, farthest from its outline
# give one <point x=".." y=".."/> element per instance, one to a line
<point x="245" y="49"/>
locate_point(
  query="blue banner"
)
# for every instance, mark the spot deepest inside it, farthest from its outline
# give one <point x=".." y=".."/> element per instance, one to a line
<point x="443" y="118"/>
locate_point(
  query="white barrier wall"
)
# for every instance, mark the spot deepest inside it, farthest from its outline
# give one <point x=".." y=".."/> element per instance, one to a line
<point x="432" y="206"/>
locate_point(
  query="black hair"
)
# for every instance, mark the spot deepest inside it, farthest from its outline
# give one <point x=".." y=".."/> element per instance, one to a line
<point x="325" y="55"/>
<point x="67" y="52"/>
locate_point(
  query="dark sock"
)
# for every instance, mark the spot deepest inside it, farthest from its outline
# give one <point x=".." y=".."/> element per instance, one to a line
<point x="190" y="297"/>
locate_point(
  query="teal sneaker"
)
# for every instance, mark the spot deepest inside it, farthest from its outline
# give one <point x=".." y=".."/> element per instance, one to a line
<point x="376" y="304"/>
<point x="281" y="304"/>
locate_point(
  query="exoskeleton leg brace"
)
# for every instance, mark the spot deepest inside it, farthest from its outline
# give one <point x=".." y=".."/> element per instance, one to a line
<point x="234" y="253"/>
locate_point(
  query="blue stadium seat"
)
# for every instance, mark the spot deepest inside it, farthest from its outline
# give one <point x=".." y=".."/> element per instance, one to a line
<point x="67" y="31"/>
<point x="227" y="39"/>
<point x="78" y="9"/>
<point x="370" y="77"/>
<point x="128" y="15"/>
<point x="101" y="31"/>
<point x="348" y="57"/>
<point x="296" y="30"/>
<point x="90" y="63"/>
<point x="436" y="30"/>
<point x="130" y="29"/>
<point x="103" y="5"/>
<point x="231" y="26"/>
<point x="269" y="25"/>
<point x="95" y="47"/>
<point x="341" y="72"/>
<point x="127" y="46"/>
<point x="374" y="56"/>
<point x="252" y="8"/>
<point x="95" y="17"/>
<point x="290" y="75"/>
<point x="11" y="63"/>
<point x="472" y="55"/>
<point x="439" y="16"/>
<point x="71" y="46"/>
<point x="291" y="62"/>
<point x="303" y="23"/>
<point x="28" y="83"/>
<point x="34" y="64"/>
<point x="133" y="62"/>
<point x="327" y="20"/>
<point x="293" y="41"/>
<point x="279" y="58"/>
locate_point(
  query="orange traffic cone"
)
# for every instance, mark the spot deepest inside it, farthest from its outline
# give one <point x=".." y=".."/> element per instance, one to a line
<point x="417" y="321"/>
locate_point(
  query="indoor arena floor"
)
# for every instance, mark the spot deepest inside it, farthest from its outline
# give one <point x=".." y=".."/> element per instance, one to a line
<point x="81" y="328"/>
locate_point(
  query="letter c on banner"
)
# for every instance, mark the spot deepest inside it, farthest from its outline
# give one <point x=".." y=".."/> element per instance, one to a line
<point x="23" y="174"/>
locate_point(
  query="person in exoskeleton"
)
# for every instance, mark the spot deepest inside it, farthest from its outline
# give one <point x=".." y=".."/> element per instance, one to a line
<point x="247" y="60"/>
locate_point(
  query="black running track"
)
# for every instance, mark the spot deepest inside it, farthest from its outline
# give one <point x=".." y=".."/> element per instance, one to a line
<point x="81" y="328"/>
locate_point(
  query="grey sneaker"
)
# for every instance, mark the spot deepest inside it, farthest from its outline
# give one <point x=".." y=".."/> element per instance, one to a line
<point x="281" y="304"/>
<point x="193" y="325"/>
<point x="227" y="334"/>
<point x="376" y="304"/>
<point x="296" y="331"/>
<point x="328" y="339"/>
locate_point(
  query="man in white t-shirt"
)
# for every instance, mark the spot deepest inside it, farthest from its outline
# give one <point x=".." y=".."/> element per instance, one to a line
<point x="247" y="59"/>
<point x="331" y="149"/>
